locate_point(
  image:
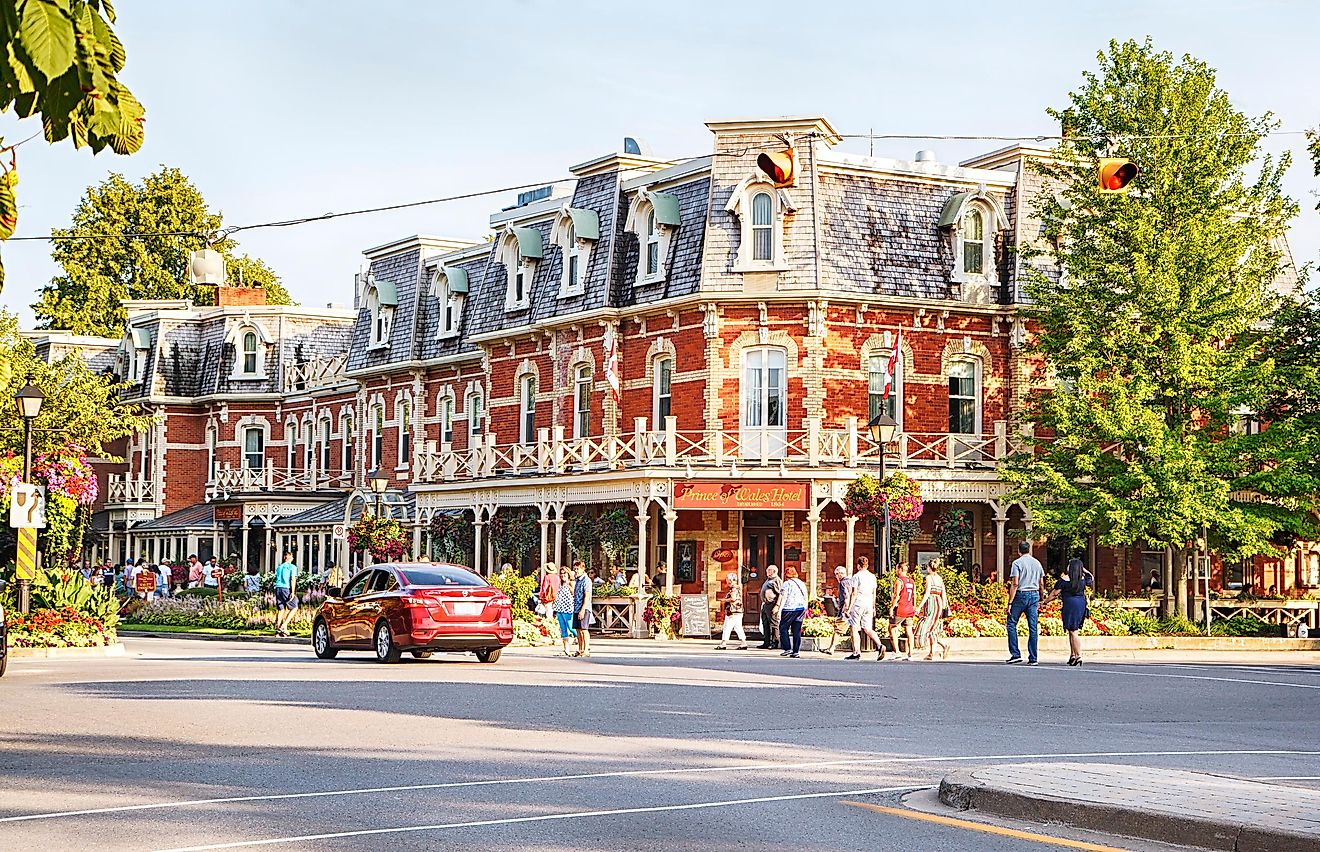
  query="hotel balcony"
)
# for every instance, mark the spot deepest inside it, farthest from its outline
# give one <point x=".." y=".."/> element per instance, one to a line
<point x="123" y="491"/>
<point x="243" y="480"/>
<point x="769" y="450"/>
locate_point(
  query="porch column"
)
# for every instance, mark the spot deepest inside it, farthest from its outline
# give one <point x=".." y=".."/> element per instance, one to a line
<point x="265" y="564"/>
<point x="477" y="524"/>
<point x="671" y="519"/>
<point x="1001" y="519"/>
<point x="559" y="536"/>
<point x="544" y="522"/>
<point x="813" y="561"/>
<point x="851" y="523"/>
<point x="243" y="546"/>
<point x="643" y="517"/>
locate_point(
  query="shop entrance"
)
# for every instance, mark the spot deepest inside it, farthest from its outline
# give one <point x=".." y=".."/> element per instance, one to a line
<point x="762" y="546"/>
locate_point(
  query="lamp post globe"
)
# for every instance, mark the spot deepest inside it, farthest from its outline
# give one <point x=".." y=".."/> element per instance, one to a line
<point x="379" y="485"/>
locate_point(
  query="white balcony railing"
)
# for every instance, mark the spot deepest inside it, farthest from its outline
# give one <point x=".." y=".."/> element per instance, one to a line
<point x="762" y="448"/>
<point x="234" y="480"/>
<point x="316" y="373"/>
<point x="122" y="490"/>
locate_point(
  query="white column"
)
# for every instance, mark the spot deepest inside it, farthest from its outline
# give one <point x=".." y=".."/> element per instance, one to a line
<point x="851" y="523"/>
<point x="265" y="557"/>
<point x="544" y="522"/>
<point x="559" y="536"/>
<point x="1001" y="519"/>
<point x="476" y="541"/>
<point x="643" y="517"/>
<point x="671" y="518"/>
<point x="243" y="547"/>
<point x="813" y="561"/>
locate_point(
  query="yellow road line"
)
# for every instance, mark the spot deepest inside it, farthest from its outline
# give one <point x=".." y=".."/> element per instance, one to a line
<point x="983" y="827"/>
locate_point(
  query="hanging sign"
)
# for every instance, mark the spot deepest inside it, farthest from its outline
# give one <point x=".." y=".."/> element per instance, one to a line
<point x="740" y="495"/>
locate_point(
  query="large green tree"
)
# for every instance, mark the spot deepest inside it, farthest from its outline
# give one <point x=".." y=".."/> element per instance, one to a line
<point x="99" y="273"/>
<point x="59" y="59"/>
<point x="1145" y="343"/>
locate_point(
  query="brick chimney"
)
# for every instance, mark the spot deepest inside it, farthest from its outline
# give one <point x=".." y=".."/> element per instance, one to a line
<point x="243" y="297"/>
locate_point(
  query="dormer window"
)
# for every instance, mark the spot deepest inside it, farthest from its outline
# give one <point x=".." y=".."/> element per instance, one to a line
<point x="576" y="233"/>
<point x="250" y="342"/>
<point x="250" y="353"/>
<point x="450" y="288"/>
<point x="382" y="297"/>
<point x="973" y="242"/>
<point x="761" y="209"/>
<point x="520" y="251"/>
<point x="973" y="219"/>
<point x="653" y="217"/>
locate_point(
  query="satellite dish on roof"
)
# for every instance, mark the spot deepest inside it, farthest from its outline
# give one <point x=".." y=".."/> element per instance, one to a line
<point x="636" y="147"/>
<point x="206" y="266"/>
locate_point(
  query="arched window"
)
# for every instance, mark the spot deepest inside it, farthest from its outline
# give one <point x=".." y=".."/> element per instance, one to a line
<point x="290" y="443"/>
<point x="254" y="448"/>
<point x="652" y="244"/>
<point x="660" y="390"/>
<point x="572" y="259"/>
<point x="212" y="460"/>
<point x="764" y="393"/>
<point x="763" y="220"/>
<point x="527" y="410"/>
<point x="250" y="352"/>
<point x="878" y="401"/>
<point x="476" y="415"/>
<point x="404" y="414"/>
<point x="582" y="401"/>
<point x="346" y="456"/>
<point x="377" y="436"/>
<point x="325" y="444"/>
<point x="309" y="446"/>
<point x="964" y="396"/>
<point x="973" y="242"/>
<point x="447" y="419"/>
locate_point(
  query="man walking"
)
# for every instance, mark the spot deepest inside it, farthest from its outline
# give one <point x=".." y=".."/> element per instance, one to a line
<point x="769" y="607"/>
<point x="839" y="621"/>
<point x="286" y="594"/>
<point x="902" y="608"/>
<point x="582" y="607"/>
<point x="194" y="572"/>
<point x="1024" y="596"/>
<point x="861" y="609"/>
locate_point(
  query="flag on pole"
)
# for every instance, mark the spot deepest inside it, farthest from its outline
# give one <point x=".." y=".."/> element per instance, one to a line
<point x="891" y="366"/>
<point x="611" y="346"/>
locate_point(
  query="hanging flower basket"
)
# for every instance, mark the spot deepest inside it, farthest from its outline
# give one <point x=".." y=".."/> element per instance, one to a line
<point x="867" y="497"/>
<point x="384" y="538"/>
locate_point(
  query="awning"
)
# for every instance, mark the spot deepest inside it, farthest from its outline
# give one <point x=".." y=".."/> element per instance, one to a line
<point x="456" y="278"/>
<point x="386" y="292"/>
<point x="666" y="208"/>
<point x="198" y="516"/>
<point x="586" y="223"/>
<point x="141" y="338"/>
<point x="529" y="242"/>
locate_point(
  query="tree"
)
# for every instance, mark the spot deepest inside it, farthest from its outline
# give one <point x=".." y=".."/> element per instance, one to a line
<point x="99" y="273"/>
<point x="60" y="61"/>
<point x="1144" y="345"/>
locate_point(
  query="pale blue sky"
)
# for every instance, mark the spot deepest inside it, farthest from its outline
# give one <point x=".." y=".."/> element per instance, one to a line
<point x="282" y="109"/>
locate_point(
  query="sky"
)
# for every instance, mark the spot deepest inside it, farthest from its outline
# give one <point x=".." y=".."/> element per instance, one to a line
<point x="279" y="109"/>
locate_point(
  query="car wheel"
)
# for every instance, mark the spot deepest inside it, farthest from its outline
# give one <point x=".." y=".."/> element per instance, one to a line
<point x="321" y="641"/>
<point x="386" y="650"/>
<point x="422" y="655"/>
<point x="488" y="655"/>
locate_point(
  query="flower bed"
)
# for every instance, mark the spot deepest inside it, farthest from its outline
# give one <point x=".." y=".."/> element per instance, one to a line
<point x="253" y="613"/>
<point x="538" y="631"/>
<point x="58" y="628"/>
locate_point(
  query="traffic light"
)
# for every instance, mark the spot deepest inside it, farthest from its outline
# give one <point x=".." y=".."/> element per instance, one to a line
<point x="778" y="165"/>
<point x="1116" y="174"/>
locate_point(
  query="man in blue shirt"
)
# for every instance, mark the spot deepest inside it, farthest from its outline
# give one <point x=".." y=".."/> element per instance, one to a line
<point x="286" y="595"/>
<point x="1024" y="581"/>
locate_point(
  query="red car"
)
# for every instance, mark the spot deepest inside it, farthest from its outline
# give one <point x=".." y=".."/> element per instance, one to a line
<point x="415" y="607"/>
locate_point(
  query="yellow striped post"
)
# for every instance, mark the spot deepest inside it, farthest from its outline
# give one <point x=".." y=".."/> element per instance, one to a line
<point x="26" y="569"/>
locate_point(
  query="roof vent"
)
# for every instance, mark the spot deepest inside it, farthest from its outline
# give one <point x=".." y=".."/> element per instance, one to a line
<point x="636" y="147"/>
<point x="925" y="156"/>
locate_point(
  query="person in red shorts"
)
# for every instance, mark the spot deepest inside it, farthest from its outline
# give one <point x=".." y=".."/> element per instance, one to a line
<point x="902" y="608"/>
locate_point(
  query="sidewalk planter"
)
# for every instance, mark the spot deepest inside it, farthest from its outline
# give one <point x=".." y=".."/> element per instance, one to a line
<point x="115" y="650"/>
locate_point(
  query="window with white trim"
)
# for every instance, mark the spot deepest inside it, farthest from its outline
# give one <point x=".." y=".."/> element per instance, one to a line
<point x="290" y="443"/>
<point x="527" y="410"/>
<point x="652" y="245"/>
<point x="254" y="448"/>
<point x="662" y="383"/>
<point x="653" y="237"/>
<point x="763" y="221"/>
<point x="446" y="419"/>
<point x="347" y="450"/>
<point x="572" y="264"/>
<point x="309" y="446"/>
<point x="764" y="388"/>
<point x="249" y="366"/>
<point x="582" y="401"/>
<point x="382" y="317"/>
<point x="404" y="415"/>
<point x="518" y="292"/>
<point x="761" y="209"/>
<point x="973" y="234"/>
<point x="878" y="402"/>
<point x="212" y="458"/>
<point x="377" y="435"/>
<point x="325" y="444"/>
<point x="451" y="306"/>
<point x="476" y="415"/>
<point x="965" y="396"/>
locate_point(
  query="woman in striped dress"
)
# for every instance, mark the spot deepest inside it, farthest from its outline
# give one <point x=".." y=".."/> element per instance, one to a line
<point x="930" y="629"/>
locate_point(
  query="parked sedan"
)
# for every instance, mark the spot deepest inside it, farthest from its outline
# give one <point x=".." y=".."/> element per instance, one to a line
<point x="414" y="607"/>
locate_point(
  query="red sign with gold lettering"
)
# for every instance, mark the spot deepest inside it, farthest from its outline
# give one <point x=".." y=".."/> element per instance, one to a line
<point x="229" y="513"/>
<point x="740" y="495"/>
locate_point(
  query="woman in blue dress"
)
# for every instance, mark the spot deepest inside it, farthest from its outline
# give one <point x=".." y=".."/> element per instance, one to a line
<point x="1071" y="587"/>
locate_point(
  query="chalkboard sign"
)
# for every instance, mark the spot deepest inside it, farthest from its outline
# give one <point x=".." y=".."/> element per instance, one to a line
<point x="696" y="615"/>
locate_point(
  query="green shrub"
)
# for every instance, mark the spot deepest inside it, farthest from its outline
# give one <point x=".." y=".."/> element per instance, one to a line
<point x="1243" y="625"/>
<point x="70" y="590"/>
<point x="992" y="597"/>
<point x="961" y="627"/>
<point x="1051" y="627"/>
<point x="1177" y="625"/>
<point x="1089" y="628"/>
<point x="199" y="592"/>
<point x="520" y="590"/>
<point x="818" y="627"/>
<point x="992" y="627"/>
<point x="1113" y="626"/>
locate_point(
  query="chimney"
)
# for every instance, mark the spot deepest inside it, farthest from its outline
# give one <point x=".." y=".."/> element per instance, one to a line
<point x="241" y="297"/>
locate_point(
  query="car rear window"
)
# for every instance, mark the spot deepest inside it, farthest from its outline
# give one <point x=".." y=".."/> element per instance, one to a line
<point x="438" y="575"/>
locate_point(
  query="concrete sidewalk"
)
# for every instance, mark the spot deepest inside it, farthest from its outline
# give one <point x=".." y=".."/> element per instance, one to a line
<point x="1164" y="805"/>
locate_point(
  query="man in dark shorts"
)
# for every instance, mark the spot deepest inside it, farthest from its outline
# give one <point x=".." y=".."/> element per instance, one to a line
<point x="286" y="594"/>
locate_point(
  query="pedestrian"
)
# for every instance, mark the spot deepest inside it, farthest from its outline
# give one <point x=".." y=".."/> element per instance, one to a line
<point x="861" y="609"/>
<point x="839" y="622"/>
<point x="770" y="607"/>
<point x="582" y="606"/>
<point x="549" y="588"/>
<point x="1024" y="596"/>
<point x="1153" y="581"/>
<point x="163" y="583"/>
<point x="334" y="578"/>
<point x="564" y="611"/>
<point x="211" y="574"/>
<point x="661" y="578"/>
<point x="733" y="613"/>
<point x="902" y="608"/>
<point x="194" y="572"/>
<point x="252" y="582"/>
<point x="619" y="578"/>
<point x="792" y="609"/>
<point x="1071" y="588"/>
<point x="286" y="594"/>
<point x="934" y="607"/>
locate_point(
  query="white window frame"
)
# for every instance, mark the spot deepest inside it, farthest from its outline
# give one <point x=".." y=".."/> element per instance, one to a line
<point x="657" y="374"/>
<point x="404" y="424"/>
<point x="990" y="224"/>
<point x="755" y="392"/>
<point x="382" y="320"/>
<point x="377" y="415"/>
<point x="564" y="235"/>
<point x="875" y="374"/>
<point x="583" y="384"/>
<point x="254" y="353"/>
<point x="476" y="414"/>
<point x="309" y="448"/>
<point x="977" y="389"/>
<point x="290" y="443"/>
<point x="248" y="452"/>
<point x="641" y="215"/>
<point x="527" y="408"/>
<point x="347" y="450"/>
<point x="515" y="264"/>
<point x="327" y="433"/>
<point x="237" y="336"/>
<point x="740" y="206"/>
<point x="212" y="456"/>
<point x="446" y="409"/>
<point x="451" y="306"/>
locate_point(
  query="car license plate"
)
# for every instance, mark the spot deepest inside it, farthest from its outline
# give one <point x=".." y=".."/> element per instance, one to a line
<point x="468" y="607"/>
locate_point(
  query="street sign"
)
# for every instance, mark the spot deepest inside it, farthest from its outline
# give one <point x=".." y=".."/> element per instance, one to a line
<point x="27" y="508"/>
<point x="340" y="532"/>
<point x="26" y="566"/>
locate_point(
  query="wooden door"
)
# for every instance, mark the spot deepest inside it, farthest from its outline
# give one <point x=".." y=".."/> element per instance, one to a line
<point x="762" y="546"/>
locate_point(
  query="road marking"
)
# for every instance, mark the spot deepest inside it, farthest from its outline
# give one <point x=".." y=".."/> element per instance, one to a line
<point x="1206" y="677"/>
<point x="636" y="773"/>
<point x="652" y="809"/>
<point x="983" y="827"/>
<point x="1287" y="778"/>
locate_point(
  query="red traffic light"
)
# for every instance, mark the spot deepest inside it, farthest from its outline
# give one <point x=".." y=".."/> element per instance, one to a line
<point x="778" y="166"/>
<point x="1116" y="174"/>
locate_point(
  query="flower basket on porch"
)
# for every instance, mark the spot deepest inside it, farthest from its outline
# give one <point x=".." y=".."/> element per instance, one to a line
<point x="867" y="497"/>
<point x="383" y="537"/>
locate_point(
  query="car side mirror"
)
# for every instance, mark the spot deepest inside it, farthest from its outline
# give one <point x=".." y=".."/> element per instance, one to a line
<point x="334" y="591"/>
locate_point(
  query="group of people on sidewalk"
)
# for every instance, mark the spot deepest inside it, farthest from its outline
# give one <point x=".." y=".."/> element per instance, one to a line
<point x="567" y="593"/>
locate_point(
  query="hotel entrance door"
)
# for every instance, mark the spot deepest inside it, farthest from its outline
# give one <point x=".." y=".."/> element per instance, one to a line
<point x="762" y="546"/>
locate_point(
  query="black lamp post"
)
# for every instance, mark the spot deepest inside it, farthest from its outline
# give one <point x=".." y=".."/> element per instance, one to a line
<point x="29" y="401"/>
<point x="379" y="485"/>
<point x="882" y="428"/>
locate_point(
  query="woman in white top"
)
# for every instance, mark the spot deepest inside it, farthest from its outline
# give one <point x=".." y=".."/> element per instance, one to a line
<point x="732" y="604"/>
<point x="793" y="600"/>
<point x="930" y="628"/>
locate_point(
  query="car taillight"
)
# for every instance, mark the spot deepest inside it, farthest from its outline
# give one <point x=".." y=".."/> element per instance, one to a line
<point x="502" y="600"/>
<point x="411" y="600"/>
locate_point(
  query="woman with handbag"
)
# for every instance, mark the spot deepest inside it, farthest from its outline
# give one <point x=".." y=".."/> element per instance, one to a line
<point x="1071" y="587"/>
<point x="549" y="588"/>
<point x="934" y="608"/>
<point x="733" y="613"/>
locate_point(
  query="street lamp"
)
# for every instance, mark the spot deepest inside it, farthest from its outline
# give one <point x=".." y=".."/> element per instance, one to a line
<point x="379" y="485"/>
<point x="882" y="428"/>
<point x="29" y="401"/>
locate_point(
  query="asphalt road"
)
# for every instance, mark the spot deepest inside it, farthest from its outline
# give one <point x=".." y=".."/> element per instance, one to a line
<point x="185" y="744"/>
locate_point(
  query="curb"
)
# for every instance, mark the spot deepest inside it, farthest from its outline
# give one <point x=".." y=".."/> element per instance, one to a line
<point x="1144" y="643"/>
<point x="964" y="792"/>
<point x="215" y="637"/>
<point x="115" y="650"/>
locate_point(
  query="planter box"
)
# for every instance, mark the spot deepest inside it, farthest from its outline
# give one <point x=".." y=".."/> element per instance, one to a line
<point x="115" y="650"/>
